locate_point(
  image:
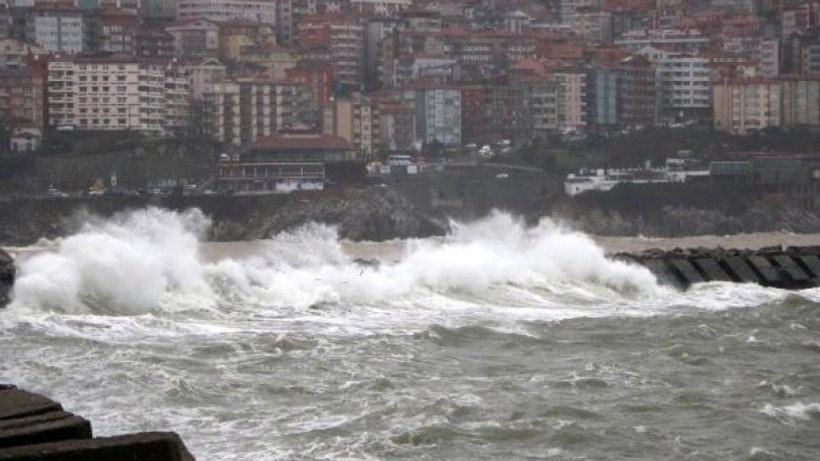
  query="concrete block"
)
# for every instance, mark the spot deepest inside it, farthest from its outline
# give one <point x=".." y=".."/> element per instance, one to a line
<point x="811" y="263"/>
<point x="739" y="269"/>
<point x="66" y="428"/>
<point x="15" y="403"/>
<point x="661" y="270"/>
<point x="712" y="269"/>
<point x="147" y="446"/>
<point x="687" y="271"/>
<point x="769" y="273"/>
<point x="795" y="272"/>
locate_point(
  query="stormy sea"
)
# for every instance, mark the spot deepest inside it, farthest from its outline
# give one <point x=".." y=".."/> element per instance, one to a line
<point x="501" y="341"/>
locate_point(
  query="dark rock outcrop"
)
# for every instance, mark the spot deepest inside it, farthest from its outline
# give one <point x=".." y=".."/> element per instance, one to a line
<point x="374" y="214"/>
<point x="7" y="273"/>
<point x="35" y="428"/>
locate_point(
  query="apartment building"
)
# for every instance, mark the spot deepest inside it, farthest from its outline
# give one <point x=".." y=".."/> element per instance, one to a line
<point x="602" y="97"/>
<point x="241" y="111"/>
<point x="14" y="54"/>
<point x="683" y="81"/>
<point x="117" y="94"/>
<point x="195" y="38"/>
<point x="379" y="7"/>
<point x="568" y="8"/>
<point x="118" y="31"/>
<point x="438" y="112"/>
<point x="747" y="105"/>
<point x="263" y="11"/>
<point x="355" y="118"/>
<point x="636" y="91"/>
<point x="343" y="37"/>
<point x="572" y="107"/>
<point x="801" y="101"/>
<point x="679" y="39"/>
<point x="21" y="97"/>
<point x="59" y="29"/>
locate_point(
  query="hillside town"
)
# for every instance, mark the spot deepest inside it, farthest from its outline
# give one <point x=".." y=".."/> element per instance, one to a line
<point x="289" y="90"/>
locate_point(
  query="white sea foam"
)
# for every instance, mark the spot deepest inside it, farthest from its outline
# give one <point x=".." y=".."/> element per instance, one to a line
<point x="796" y="411"/>
<point x="149" y="261"/>
<point x="130" y="264"/>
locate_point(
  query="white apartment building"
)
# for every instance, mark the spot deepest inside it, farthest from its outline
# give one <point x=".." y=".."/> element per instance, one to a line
<point x="379" y="7"/>
<point x="635" y="40"/>
<point x="263" y="11"/>
<point x="59" y="30"/>
<point x="572" y="103"/>
<point x="95" y="94"/>
<point x="769" y="57"/>
<point x="683" y="81"/>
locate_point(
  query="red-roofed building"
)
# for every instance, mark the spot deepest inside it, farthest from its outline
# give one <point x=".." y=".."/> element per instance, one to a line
<point x="288" y="162"/>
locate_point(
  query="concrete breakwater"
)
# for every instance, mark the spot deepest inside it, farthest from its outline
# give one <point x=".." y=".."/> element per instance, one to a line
<point x="36" y="428"/>
<point x="789" y="268"/>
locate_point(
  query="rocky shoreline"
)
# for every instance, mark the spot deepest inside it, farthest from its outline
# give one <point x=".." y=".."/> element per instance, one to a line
<point x="380" y="213"/>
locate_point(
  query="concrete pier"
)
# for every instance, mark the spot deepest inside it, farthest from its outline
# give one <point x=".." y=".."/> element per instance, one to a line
<point x="788" y="268"/>
<point x="36" y="428"/>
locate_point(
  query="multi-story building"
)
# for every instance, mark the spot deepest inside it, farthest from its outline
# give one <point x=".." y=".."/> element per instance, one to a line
<point x="21" y="97"/>
<point x="59" y="29"/>
<point x="572" y="107"/>
<point x="545" y="96"/>
<point x="195" y="38"/>
<point x="438" y="112"/>
<point x="158" y="9"/>
<point x="592" y="25"/>
<point x="397" y="130"/>
<point x="92" y="93"/>
<point x="747" y="105"/>
<point x="356" y="119"/>
<point x="343" y="37"/>
<point x="284" y="22"/>
<point x="153" y="42"/>
<point x="679" y="39"/>
<point x="118" y="31"/>
<point x="768" y="56"/>
<point x="376" y="29"/>
<point x="683" y="81"/>
<point x="801" y="101"/>
<point x="263" y="11"/>
<point x="570" y="7"/>
<point x="14" y="54"/>
<point x="602" y="97"/>
<point x="379" y="7"/>
<point x="636" y="91"/>
<point x="244" y="110"/>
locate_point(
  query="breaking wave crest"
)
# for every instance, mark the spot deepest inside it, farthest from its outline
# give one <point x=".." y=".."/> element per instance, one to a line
<point x="149" y="261"/>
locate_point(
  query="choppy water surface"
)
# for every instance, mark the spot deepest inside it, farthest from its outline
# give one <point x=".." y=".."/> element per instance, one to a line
<point x="499" y="342"/>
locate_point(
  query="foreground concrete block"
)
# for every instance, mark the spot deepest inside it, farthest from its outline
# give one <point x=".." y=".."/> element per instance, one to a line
<point x="15" y="403"/>
<point x="49" y="427"/>
<point x="147" y="446"/>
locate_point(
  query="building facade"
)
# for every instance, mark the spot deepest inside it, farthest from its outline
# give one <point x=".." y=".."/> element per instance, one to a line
<point x="109" y="94"/>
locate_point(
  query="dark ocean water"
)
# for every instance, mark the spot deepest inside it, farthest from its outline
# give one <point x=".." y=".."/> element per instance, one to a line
<point x="501" y="342"/>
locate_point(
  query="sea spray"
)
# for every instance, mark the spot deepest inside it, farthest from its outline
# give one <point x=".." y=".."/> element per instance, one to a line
<point x="149" y="260"/>
<point x="127" y="264"/>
